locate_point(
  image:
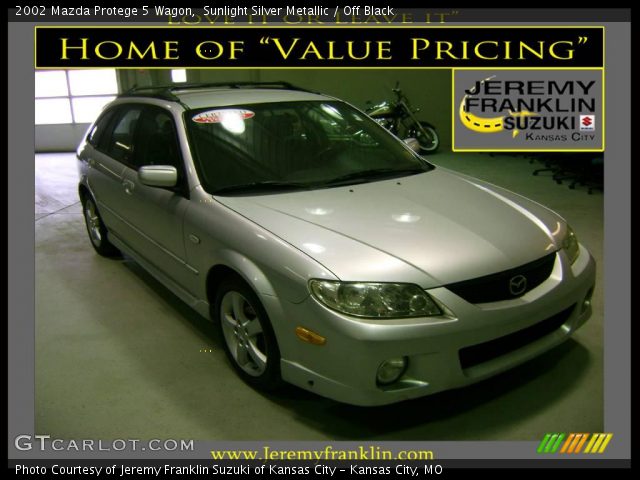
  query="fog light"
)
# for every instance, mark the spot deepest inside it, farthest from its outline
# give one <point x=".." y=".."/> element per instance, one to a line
<point x="586" y="303"/>
<point x="391" y="370"/>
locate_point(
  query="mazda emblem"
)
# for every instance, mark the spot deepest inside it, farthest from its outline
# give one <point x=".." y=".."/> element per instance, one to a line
<point x="517" y="285"/>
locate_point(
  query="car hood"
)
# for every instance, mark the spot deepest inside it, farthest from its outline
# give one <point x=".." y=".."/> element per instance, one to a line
<point x="442" y="226"/>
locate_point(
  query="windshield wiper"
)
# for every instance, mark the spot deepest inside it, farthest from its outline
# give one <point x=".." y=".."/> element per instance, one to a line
<point x="265" y="185"/>
<point x="374" y="174"/>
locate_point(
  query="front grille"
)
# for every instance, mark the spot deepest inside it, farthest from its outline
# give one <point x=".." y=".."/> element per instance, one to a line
<point x="483" y="352"/>
<point x="496" y="287"/>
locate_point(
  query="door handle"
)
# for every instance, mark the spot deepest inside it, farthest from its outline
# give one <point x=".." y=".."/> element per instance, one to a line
<point x="128" y="186"/>
<point x="91" y="162"/>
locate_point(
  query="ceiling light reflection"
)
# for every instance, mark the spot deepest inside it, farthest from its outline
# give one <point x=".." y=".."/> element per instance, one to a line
<point x="319" y="211"/>
<point x="233" y="122"/>
<point x="314" y="247"/>
<point x="405" y="217"/>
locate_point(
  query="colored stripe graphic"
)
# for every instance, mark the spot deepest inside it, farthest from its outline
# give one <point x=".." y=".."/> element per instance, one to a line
<point x="581" y="442"/>
<point x="574" y="443"/>
<point x="568" y="442"/>
<point x="578" y="442"/>
<point x="550" y="443"/>
<point x="598" y="443"/>
<point x="543" y="443"/>
<point x="556" y="445"/>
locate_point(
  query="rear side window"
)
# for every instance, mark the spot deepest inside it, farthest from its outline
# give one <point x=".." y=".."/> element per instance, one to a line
<point x="120" y="144"/>
<point x="99" y="128"/>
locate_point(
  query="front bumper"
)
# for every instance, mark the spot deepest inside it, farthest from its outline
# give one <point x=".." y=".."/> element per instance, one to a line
<point x="345" y="367"/>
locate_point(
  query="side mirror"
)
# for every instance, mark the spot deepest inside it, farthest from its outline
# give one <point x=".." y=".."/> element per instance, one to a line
<point x="158" y="175"/>
<point x="413" y="144"/>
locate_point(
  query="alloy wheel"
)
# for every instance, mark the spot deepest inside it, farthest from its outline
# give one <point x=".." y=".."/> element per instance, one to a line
<point x="243" y="333"/>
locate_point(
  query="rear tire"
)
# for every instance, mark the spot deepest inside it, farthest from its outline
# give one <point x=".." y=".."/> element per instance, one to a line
<point x="248" y="338"/>
<point x="98" y="233"/>
<point x="427" y="138"/>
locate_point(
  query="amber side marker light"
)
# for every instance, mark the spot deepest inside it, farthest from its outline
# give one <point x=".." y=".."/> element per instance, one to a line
<point x="309" y="336"/>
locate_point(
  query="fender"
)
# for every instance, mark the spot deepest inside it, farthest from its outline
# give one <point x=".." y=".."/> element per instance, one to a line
<point x="266" y="284"/>
<point x="248" y="270"/>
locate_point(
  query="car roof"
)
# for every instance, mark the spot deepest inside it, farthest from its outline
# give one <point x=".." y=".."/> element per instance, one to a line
<point x="195" y="96"/>
<point x="195" y="99"/>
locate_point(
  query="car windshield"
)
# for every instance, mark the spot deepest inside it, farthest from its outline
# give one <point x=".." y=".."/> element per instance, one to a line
<point x="283" y="146"/>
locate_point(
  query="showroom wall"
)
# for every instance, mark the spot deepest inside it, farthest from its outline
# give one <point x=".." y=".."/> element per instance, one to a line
<point x="430" y="90"/>
<point x="59" y="138"/>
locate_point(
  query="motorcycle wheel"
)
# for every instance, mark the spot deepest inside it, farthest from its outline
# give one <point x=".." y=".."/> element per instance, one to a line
<point x="427" y="138"/>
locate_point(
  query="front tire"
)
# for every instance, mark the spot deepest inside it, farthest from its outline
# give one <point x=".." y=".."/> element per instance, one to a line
<point x="96" y="229"/>
<point x="248" y="338"/>
<point x="427" y="138"/>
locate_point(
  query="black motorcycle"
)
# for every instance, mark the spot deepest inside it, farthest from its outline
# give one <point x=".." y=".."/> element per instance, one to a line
<point x="398" y="117"/>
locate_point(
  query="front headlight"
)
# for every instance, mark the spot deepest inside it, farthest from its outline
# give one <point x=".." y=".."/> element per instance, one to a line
<point x="375" y="300"/>
<point x="570" y="245"/>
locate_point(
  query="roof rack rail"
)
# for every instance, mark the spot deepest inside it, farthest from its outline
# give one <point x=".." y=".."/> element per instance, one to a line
<point x="276" y="84"/>
<point x="162" y="92"/>
<point x="166" y="92"/>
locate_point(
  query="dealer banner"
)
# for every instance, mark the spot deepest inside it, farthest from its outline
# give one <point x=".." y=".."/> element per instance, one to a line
<point x="528" y="110"/>
<point x="514" y="88"/>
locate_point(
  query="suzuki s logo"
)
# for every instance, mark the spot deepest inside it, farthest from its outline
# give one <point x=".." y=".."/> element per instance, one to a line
<point x="517" y="285"/>
<point x="588" y="122"/>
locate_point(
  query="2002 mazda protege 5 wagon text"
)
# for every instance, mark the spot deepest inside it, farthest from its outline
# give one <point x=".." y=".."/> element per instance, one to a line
<point x="330" y="254"/>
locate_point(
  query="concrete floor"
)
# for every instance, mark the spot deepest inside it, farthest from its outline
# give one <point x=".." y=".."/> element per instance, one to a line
<point x="118" y="356"/>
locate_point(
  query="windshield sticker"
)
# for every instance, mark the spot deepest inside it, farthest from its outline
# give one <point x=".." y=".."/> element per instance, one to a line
<point x="218" y="116"/>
